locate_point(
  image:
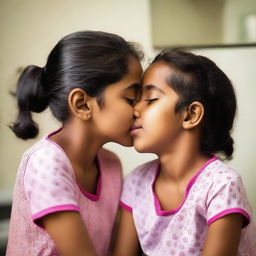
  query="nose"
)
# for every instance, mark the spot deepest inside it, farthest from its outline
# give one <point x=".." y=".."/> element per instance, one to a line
<point x="136" y="114"/>
<point x="137" y="110"/>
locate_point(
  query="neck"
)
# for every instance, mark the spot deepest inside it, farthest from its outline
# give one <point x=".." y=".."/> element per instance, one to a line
<point x="180" y="162"/>
<point x="80" y="144"/>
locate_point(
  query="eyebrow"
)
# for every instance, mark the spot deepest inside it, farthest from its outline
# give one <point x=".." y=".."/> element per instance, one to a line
<point x="152" y="87"/>
<point x="135" y="86"/>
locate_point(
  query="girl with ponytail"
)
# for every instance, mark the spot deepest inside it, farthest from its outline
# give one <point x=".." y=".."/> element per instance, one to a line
<point x="187" y="202"/>
<point x="67" y="188"/>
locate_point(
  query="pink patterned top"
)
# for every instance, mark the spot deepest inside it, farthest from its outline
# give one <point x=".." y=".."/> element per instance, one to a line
<point x="215" y="191"/>
<point x="46" y="184"/>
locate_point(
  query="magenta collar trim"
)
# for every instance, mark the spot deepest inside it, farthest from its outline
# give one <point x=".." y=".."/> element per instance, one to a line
<point x="91" y="196"/>
<point x="158" y="209"/>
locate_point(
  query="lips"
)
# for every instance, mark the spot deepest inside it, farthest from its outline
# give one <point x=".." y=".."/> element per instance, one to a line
<point x="135" y="129"/>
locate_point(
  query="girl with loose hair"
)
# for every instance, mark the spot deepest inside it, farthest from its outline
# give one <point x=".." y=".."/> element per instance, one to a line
<point x="188" y="201"/>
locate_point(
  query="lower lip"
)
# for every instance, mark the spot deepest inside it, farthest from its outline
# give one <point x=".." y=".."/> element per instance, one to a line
<point x="135" y="131"/>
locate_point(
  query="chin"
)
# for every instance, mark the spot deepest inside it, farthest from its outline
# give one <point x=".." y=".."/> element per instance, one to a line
<point x="140" y="148"/>
<point x="143" y="148"/>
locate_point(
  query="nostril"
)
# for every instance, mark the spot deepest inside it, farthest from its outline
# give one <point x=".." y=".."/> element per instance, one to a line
<point x="136" y="113"/>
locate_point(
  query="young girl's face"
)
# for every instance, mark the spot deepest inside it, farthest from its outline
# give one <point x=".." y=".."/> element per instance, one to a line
<point x="116" y="116"/>
<point x="157" y="126"/>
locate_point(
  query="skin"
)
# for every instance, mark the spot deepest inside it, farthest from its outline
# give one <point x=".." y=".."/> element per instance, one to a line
<point x="127" y="241"/>
<point x="89" y="127"/>
<point x="174" y="137"/>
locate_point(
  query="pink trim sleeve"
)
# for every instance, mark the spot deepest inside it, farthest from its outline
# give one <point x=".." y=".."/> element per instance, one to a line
<point x="54" y="209"/>
<point x="125" y="206"/>
<point x="231" y="211"/>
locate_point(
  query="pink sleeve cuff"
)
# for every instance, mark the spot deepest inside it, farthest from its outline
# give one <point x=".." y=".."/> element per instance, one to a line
<point x="59" y="208"/>
<point x="231" y="211"/>
<point x="125" y="206"/>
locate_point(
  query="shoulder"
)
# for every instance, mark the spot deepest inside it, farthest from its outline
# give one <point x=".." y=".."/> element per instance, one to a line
<point x="46" y="159"/>
<point x="137" y="184"/>
<point x="143" y="173"/>
<point x="224" y="184"/>
<point x="220" y="172"/>
<point x="218" y="180"/>
<point x="45" y="151"/>
<point x="226" y="193"/>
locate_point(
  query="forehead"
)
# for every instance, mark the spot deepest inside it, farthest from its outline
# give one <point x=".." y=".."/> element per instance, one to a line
<point x="133" y="75"/>
<point x="156" y="74"/>
<point x="134" y="67"/>
<point x="130" y="81"/>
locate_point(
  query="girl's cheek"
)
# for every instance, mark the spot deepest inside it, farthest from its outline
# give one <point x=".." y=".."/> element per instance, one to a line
<point x="128" y="113"/>
<point x="151" y="111"/>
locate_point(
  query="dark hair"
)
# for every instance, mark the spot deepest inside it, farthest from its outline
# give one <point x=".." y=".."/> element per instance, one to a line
<point x="90" y="60"/>
<point x="196" y="78"/>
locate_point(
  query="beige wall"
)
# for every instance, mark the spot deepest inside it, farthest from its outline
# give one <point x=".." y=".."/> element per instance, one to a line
<point x="234" y="12"/>
<point x="186" y="22"/>
<point x="30" y="28"/>
<point x="193" y="22"/>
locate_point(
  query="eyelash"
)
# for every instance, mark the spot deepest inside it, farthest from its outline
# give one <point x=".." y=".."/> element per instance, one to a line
<point x="132" y="102"/>
<point x="149" y="101"/>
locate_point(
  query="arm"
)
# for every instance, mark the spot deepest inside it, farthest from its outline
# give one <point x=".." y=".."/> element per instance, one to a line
<point x="69" y="233"/>
<point x="127" y="242"/>
<point x="113" y="237"/>
<point x="223" y="236"/>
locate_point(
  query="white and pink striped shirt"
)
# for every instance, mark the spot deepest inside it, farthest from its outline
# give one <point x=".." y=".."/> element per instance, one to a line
<point x="46" y="184"/>
<point x="215" y="191"/>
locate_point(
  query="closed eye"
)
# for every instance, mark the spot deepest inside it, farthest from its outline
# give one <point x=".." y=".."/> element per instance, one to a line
<point x="130" y="101"/>
<point x="150" y="100"/>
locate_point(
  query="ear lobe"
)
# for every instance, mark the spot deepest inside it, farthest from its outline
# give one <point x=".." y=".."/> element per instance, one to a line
<point x="193" y="115"/>
<point x="79" y="102"/>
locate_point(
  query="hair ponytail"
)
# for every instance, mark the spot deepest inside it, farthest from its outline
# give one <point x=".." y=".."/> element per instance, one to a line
<point x="31" y="98"/>
<point x="25" y="127"/>
<point x="227" y="146"/>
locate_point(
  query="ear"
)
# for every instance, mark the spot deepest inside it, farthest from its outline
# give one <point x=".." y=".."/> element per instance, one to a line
<point x="79" y="104"/>
<point x="193" y="115"/>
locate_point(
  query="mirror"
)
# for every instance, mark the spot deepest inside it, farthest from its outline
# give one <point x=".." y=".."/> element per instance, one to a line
<point x="203" y="23"/>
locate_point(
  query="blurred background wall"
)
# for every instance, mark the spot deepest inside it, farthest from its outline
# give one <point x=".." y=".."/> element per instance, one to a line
<point x="203" y="22"/>
<point x="30" y="28"/>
